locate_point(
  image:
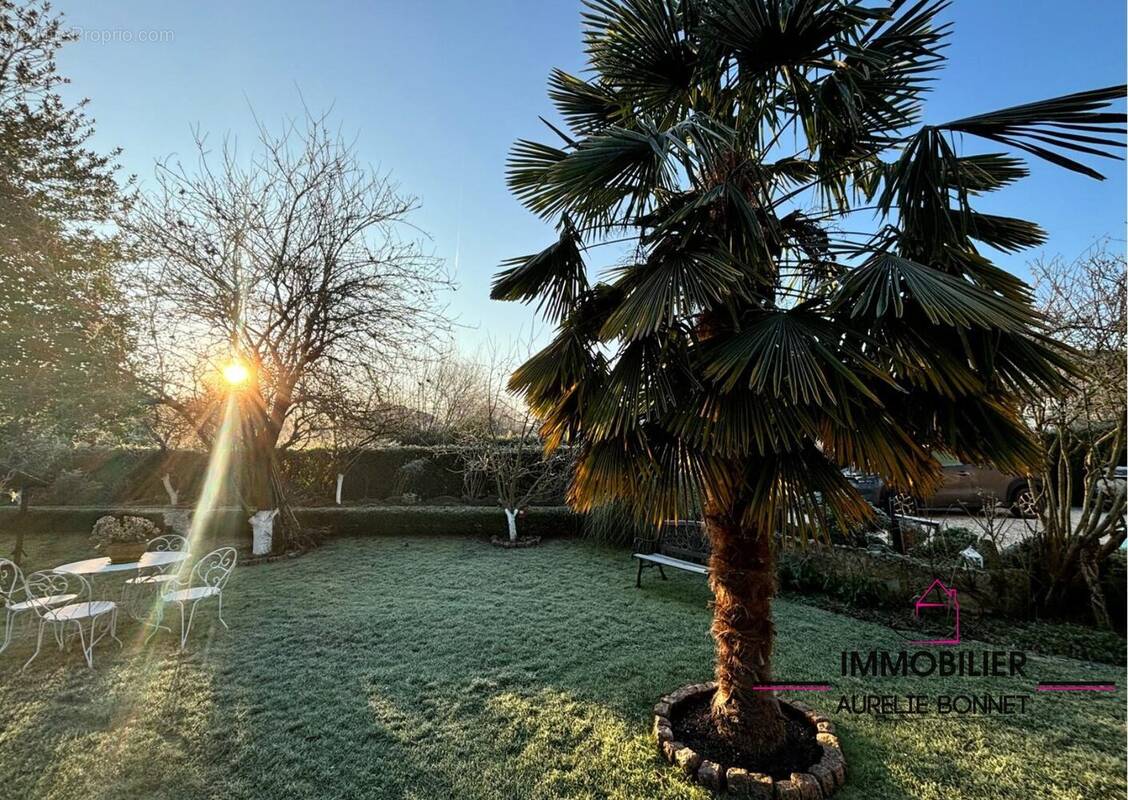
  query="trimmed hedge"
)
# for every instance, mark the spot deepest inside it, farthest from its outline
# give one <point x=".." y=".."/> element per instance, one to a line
<point x="123" y="476"/>
<point x="546" y="521"/>
<point x="66" y="519"/>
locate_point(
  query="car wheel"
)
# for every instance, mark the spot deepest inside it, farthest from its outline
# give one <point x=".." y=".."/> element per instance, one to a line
<point x="1024" y="503"/>
<point x="903" y="505"/>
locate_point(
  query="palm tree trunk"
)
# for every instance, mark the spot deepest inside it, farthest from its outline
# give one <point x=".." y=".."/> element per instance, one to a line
<point x="742" y="577"/>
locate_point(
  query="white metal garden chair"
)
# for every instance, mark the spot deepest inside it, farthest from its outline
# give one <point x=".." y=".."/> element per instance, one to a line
<point x="169" y="543"/>
<point x="43" y="590"/>
<point x="208" y="577"/>
<point x="133" y="592"/>
<point x="13" y="594"/>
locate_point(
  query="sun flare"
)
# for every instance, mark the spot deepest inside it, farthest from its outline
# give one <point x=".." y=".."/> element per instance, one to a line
<point x="235" y="373"/>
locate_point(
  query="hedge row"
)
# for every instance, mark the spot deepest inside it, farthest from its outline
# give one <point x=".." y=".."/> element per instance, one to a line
<point x="548" y="521"/>
<point x="133" y="476"/>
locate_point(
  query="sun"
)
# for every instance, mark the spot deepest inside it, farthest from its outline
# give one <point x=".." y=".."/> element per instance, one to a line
<point x="235" y="373"/>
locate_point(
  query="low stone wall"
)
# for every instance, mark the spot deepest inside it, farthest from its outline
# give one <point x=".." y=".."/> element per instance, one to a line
<point x="901" y="578"/>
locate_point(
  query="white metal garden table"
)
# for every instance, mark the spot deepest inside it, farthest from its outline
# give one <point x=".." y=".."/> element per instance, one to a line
<point x="94" y="567"/>
<point x="103" y="565"/>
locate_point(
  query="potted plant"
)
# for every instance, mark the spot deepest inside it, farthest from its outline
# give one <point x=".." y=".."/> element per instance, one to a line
<point x="123" y="539"/>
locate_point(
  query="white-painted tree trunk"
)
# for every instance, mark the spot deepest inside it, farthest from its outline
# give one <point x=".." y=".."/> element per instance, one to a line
<point x="262" y="526"/>
<point x="340" y="483"/>
<point x="173" y="495"/>
<point x="511" y="518"/>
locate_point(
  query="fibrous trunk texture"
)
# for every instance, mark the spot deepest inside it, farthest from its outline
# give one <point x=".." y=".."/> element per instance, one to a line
<point x="742" y="577"/>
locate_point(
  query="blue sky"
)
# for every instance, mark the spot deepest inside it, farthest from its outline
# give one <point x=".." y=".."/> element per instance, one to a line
<point x="437" y="90"/>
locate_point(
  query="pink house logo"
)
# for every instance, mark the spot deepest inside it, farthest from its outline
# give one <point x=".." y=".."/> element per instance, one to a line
<point x="935" y="598"/>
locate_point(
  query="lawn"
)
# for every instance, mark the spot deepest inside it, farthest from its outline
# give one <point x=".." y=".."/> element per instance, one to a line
<point x="444" y="668"/>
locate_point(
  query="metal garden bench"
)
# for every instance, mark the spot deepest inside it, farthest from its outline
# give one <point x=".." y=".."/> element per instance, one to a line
<point x="681" y="544"/>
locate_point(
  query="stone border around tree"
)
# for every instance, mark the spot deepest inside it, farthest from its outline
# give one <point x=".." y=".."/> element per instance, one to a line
<point x="823" y="778"/>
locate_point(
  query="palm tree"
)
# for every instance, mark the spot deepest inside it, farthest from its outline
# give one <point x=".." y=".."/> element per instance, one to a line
<point x="803" y="285"/>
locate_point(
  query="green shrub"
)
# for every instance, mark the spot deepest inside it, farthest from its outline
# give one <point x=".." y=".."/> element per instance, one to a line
<point x="798" y="573"/>
<point x="71" y="487"/>
<point x="857" y="536"/>
<point x="946" y="544"/>
<point x="409" y="474"/>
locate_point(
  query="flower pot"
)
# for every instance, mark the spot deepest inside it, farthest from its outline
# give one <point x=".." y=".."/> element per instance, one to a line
<point x="125" y="552"/>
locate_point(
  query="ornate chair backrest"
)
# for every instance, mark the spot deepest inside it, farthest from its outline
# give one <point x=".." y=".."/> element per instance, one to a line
<point x="214" y="568"/>
<point x="44" y="585"/>
<point x="11" y="581"/>
<point x="169" y="543"/>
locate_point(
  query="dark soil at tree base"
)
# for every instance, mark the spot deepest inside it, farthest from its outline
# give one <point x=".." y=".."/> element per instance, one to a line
<point x="693" y="726"/>
<point x="521" y="541"/>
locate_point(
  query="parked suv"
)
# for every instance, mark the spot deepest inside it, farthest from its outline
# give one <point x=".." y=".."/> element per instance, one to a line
<point x="965" y="486"/>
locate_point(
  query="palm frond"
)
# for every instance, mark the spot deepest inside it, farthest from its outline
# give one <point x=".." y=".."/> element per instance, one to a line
<point x="989" y="172"/>
<point x="796" y="493"/>
<point x="563" y="363"/>
<point x="876" y="87"/>
<point x="610" y="174"/>
<point x="1074" y="123"/>
<point x="872" y="440"/>
<point x="655" y="474"/>
<point x="992" y="278"/>
<point x="887" y="284"/>
<point x="667" y="288"/>
<point x="738" y="424"/>
<point x="977" y="429"/>
<point x="764" y="35"/>
<point x="1008" y="234"/>
<point x="527" y="174"/>
<point x="793" y="356"/>
<point x="587" y="106"/>
<point x="555" y="277"/>
<point x="644" y="384"/>
<point x="639" y="49"/>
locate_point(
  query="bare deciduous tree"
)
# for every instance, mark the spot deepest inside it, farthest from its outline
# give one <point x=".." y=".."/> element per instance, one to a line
<point x="504" y="448"/>
<point x="1084" y="302"/>
<point x="300" y="261"/>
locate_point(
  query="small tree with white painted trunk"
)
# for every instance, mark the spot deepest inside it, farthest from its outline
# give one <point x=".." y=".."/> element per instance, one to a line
<point x="506" y="448"/>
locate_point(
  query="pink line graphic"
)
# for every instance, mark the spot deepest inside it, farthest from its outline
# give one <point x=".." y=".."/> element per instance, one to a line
<point x="1073" y="687"/>
<point x="793" y="687"/>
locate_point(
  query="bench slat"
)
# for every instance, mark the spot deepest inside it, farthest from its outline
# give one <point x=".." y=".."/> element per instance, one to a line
<point x="924" y="522"/>
<point x="676" y="563"/>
